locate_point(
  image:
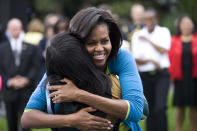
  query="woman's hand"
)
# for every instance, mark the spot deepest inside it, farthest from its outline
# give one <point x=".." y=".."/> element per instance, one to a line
<point x="86" y="122"/>
<point x="64" y="93"/>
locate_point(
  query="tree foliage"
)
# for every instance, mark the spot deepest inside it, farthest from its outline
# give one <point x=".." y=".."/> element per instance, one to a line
<point x="189" y="7"/>
<point x="122" y="8"/>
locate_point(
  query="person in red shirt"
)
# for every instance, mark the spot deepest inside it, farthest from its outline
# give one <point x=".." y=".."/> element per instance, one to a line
<point x="183" y="71"/>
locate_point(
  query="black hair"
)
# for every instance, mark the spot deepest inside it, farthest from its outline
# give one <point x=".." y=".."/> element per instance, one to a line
<point x="178" y="22"/>
<point x="85" y="21"/>
<point x="67" y="57"/>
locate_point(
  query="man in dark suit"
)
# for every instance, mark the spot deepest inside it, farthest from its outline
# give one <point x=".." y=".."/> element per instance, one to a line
<point x="18" y="68"/>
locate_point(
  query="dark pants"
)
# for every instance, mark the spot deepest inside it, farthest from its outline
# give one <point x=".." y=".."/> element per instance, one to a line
<point x="14" y="111"/>
<point x="155" y="85"/>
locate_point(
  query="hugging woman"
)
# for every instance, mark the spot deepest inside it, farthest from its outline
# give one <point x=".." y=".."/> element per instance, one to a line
<point x="101" y="38"/>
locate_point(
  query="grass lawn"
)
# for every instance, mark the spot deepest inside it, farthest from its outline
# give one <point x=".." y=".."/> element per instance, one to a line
<point x="170" y="113"/>
<point x="3" y="126"/>
<point x="171" y="116"/>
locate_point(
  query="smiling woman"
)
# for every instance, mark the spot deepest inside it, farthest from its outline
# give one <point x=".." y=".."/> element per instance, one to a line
<point x="101" y="37"/>
<point x="183" y="70"/>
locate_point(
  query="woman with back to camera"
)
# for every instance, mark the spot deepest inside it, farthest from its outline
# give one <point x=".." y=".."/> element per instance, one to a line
<point x="101" y="37"/>
<point x="183" y="71"/>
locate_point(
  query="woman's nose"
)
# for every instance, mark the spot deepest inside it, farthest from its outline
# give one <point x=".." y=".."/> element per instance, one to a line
<point x="99" y="47"/>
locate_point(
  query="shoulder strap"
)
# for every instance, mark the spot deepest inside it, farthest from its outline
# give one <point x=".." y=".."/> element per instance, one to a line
<point x="49" y="109"/>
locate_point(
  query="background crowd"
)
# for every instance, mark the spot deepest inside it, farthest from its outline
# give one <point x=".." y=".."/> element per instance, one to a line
<point x="166" y="59"/>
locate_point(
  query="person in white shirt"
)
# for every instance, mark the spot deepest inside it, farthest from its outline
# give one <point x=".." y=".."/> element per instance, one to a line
<point x="149" y="47"/>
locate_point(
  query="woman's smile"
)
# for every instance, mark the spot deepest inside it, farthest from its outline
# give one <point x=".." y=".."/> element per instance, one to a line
<point x="99" y="57"/>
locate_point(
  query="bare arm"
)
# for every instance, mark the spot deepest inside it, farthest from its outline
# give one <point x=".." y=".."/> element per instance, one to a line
<point x="106" y="105"/>
<point x="70" y="92"/>
<point x="81" y="120"/>
<point x="39" y="119"/>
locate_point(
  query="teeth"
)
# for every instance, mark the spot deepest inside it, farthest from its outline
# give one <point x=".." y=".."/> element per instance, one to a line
<point x="99" y="56"/>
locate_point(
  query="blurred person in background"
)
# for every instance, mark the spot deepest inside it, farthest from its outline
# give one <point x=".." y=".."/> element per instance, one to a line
<point x="2" y="34"/>
<point x="125" y="44"/>
<point x="0" y="83"/>
<point x="18" y="68"/>
<point x="35" y="32"/>
<point x="51" y="19"/>
<point x="61" y="25"/>
<point x="1" y="39"/>
<point x="49" y="32"/>
<point x="183" y="71"/>
<point x="53" y="24"/>
<point x="149" y="47"/>
<point x="49" y="23"/>
<point x="136" y="14"/>
<point x="0" y="91"/>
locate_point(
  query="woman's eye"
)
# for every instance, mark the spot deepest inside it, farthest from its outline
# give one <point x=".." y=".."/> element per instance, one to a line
<point x="104" y="41"/>
<point x="91" y="43"/>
